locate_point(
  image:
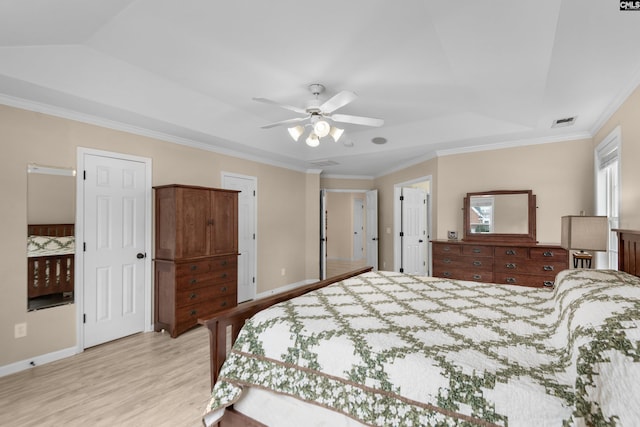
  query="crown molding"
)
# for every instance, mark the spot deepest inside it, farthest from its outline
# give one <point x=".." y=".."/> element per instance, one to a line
<point x="616" y="103"/>
<point x="64" y="113"/>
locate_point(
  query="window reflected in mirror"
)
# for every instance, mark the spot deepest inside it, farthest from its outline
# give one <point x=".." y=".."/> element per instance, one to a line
<point x="51" y="209"/>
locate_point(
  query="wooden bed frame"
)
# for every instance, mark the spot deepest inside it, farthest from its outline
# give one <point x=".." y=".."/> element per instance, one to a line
<point x="224" y="328"/>
<point x="51" y="274"/>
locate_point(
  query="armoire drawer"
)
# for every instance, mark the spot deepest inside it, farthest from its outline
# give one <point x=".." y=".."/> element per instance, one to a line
<point x="205" y="266"/>
<point x="187" y="316"/>
<point x="211" y="291"/>
<point x="203" y="280"/>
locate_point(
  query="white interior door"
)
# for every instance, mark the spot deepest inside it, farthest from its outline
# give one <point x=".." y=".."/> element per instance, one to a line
<point x="414" y="219"/>
<point x="247" y="186"/>
<point x="358" y="229"/>
<point x="372" y="228"/>
<point x="114" y="202"/>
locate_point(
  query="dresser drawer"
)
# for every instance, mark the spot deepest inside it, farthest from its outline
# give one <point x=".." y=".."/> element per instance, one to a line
<point x="199" y="295"/>
<point x="544" y="255"/>
<point x="477" y="250"/>
<point x="206" y="266"/>
<point x="202" y="280"/>
<point x="517" y="266"/>
<point x="511" y="252"/>
<point x="533" y="280"/>
<point x="464" y="263"/>
<point x="446" y="249"/>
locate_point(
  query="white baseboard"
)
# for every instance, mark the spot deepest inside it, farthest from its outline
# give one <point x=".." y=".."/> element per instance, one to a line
<point x="284" y="288"/>
<point x="37" y="360"/>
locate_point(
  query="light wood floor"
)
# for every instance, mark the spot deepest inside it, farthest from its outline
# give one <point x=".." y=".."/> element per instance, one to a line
<point x="147" y="379"/>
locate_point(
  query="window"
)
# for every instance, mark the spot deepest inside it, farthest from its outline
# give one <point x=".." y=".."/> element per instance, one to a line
<point x="607" y="164"/>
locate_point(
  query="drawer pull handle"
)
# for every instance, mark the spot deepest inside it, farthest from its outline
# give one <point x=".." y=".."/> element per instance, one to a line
<point x="548" y="284"/>
<point x="194" y="267"/>
<point x="447" y="274"/>
<point x="193" y="296"/>
<point x="446" y="261"/>
<point x="223" y="289"/>
<point x="446" y="248"/>
<point x="547" y="253"/>
<point x="510" y="252"/>
<point x="510" y="265"/>
<point x="477" y="277"/>
<point x="511" y="280"/>
<point x="223" y="275"/>
<point x="194" y="312"/>
<point x="548" y="268"/>
<point x="476" y="250"/>
<point x="194" y="281"/>
<point x="224" y="304"/>
<point x="223" y="263"/>
<point x="477" y="263"/>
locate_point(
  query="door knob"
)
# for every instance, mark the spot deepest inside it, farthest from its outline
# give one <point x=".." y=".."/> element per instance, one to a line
<point x="141" y="255"/>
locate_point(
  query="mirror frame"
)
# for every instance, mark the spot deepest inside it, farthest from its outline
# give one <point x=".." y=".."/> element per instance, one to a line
<point x="529" y="237"/>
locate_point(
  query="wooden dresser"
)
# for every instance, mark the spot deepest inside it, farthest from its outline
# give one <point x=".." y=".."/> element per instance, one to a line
<point x="499" y="262"/>
<point x="196" y="254"/>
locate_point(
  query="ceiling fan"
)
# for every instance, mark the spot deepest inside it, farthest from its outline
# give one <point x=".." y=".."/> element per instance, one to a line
<point x="317" y="114"/>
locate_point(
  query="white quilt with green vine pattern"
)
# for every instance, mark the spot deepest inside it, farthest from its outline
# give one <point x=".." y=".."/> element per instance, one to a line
<point x="389" y="349"/>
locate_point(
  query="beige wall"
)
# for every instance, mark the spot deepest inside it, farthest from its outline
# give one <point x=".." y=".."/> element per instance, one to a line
<point x="288" y="212"/>
<point x="329" y="183"/>
<point x="627" y="117"/>
<point x="560" y="175"/>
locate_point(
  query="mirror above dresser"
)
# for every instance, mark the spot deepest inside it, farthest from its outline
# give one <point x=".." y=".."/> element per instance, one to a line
<point x="500" y="216"/>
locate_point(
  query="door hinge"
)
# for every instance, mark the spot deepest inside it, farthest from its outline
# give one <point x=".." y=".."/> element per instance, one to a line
<point x="84" y="246"/>
<point x="254" y="236"/>
<point x="84" y="175"/>
<point x="253" y="280"/>
<point x="254" y="193"/>
<point x="84" y="318"/>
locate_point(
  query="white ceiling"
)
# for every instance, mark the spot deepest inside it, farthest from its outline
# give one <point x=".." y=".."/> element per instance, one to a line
<point x="445" y="76"/>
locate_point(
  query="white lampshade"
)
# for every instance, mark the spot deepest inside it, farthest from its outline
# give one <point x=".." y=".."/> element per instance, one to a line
<point x="296" y="132"/>
<point x="313" y="140"/>
<point x="336" y="133"/>
<point x="321" y="128"/>
<point x="585" y="233"/>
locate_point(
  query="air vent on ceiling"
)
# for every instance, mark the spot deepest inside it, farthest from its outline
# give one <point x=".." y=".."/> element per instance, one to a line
<point x="324" y="163"/>
<point x="567" y="121"/>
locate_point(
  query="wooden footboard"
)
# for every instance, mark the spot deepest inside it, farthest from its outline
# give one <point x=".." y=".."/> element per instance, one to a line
<point x="225" y="326"/>
<point x="50" y="275"/>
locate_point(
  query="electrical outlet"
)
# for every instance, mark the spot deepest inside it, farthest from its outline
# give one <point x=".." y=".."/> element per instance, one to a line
<point x="283" y="272"/>
<point x="20" y="330"/>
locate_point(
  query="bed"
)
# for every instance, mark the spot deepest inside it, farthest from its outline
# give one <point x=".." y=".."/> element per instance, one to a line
<point x="50" y="259"/>
<point x="390" y="349"/>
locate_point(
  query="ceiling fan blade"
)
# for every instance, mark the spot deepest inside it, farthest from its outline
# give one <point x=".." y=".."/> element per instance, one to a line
<point x="285" y="106"/>
<point x="284" y="122"/>
<point x="337" y="101"/>
<point x="357" y="120"/>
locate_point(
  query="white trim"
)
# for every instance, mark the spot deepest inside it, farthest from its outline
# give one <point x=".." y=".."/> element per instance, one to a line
<point x="284" y="288"/>
<point x="370" y="178"/>
<point x="79" y="257"/>
<point x="42" y="359"/>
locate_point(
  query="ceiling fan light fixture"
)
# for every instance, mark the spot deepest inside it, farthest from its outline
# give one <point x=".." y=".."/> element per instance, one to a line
<point x="336" y="133"/>
<point x="296" y="132"/>
<point x="321" y="128"/>
<point x="313" y="140"/>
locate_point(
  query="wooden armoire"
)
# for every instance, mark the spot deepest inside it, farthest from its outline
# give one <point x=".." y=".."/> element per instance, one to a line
<point x="196" y="254"/>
